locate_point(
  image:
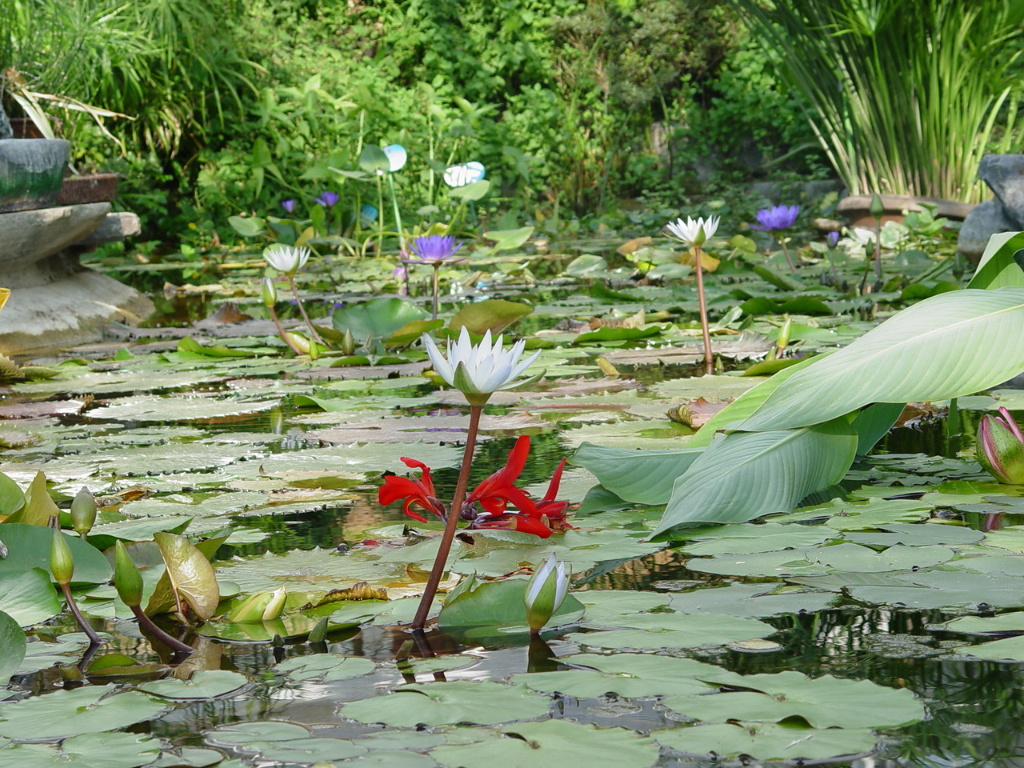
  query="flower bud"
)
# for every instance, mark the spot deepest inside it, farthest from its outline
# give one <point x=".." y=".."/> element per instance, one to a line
<point x="298" y="342"/>
<point x="269" y="292"/>
<point x="1001" y="447"/>
<point x="262" y="606"/>
<point x="62" y="562"/>
<point x="545" y="593"/>
<point x="783" y="339"/>
<point x="348" y="342"/>
<point x="877" y="207"/>
<point x="127" y="579"/>
<point x="83" y="512"/>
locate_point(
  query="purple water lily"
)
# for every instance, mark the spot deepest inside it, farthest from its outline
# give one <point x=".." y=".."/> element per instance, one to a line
<point x="288" y="205"/>
<point x="328" y="198"/>
<point x="433" y="249"/>
<point x="776" y="218"/>
<point x="832" y="238"/>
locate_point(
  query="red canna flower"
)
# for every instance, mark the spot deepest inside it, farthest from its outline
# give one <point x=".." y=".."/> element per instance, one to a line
<point x="495" y="495"/>
<point x="417" y="493"/>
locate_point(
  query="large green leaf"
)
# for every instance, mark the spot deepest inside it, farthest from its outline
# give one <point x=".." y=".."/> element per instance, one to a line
<point x="376" y="319"/>
<point x="748" y="474"/>
<point x="494" y="315"/>
<point x="947" y="346"/>
<point x="1000" y="264"/>
<point x="645" y="477"/>
<point x="12" y="647"/>
<point x="190" y="572"/>
<point x="29" y="547"/>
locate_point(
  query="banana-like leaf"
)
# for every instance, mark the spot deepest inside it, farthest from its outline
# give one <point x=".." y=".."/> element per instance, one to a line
<point x="1002" y="263"/>
<point x="873" y="422"/>
<point x="644" y="477"/>
<point x="744" y="475"/>
<point x="744" y="405"/>
<point x="947" y="346"/>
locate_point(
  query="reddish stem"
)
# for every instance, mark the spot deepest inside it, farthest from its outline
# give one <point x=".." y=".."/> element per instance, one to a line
<point x="79" y="618"/>
<point x="147" y="623"/>
<point x="709" y="362"/>
<point x="302" y="309"/>
<point x="454" y="511"/>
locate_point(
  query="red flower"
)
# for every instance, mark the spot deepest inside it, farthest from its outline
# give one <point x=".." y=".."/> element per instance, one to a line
<point x="417" y="493"/>
<point x="496" y="494"/>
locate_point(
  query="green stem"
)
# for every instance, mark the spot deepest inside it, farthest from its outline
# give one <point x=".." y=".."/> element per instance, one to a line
<point x="437" y="270"/>
<point x="398" y="215"/>
<point x="281" y="332"/>
<point x="380" y="217"/>
<point x="709" y="362"/>
<point x="454" y="512"/>
<point x="302" y="309"/>
<point x="785" y="251"/>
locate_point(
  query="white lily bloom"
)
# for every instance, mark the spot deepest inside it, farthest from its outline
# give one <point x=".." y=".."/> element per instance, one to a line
<point x="694" y="231"/>
<point x="545" y="593"/>
<point x="286" y="258"/>
<point x="478" y="370"/>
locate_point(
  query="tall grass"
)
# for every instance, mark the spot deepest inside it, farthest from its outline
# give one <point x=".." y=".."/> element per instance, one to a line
<point x="908" y="95"/>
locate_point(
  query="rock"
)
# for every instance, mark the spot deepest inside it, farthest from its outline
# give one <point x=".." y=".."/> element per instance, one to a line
<point x="1005" y="176"/>
<point x="987" y="219"/>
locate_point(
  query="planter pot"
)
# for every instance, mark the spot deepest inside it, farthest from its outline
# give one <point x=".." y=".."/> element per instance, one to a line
<point x="24" y="128"/>
<point x="856" y="208"/>
<point x="31" y="173"/>
<point x="95" y="188"/>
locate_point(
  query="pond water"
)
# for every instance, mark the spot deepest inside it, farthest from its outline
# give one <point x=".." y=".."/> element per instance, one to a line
<point x="851" y="631"/>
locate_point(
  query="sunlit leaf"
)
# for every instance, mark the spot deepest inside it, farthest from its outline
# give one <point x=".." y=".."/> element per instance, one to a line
<point x="71" y="712"/>
<point x="766" y="741"/>
<point x="483" y="703"/>
<point x="190" y="573"/>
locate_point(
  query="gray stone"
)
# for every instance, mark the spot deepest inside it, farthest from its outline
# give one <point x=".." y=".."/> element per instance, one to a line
<point x="1005" y="176"/>
<point x="987" y="219"/>
<point x="55" y="301"/>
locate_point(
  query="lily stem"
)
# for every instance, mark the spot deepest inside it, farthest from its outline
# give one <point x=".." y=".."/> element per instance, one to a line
<point x="147" y="623"/>
<point x="79" y="618"/>
<point x="437" y="270"/>
<point x="454" y="512"/>
<point x="709" y="362"/>
<point x="302" y="309"/>
<point x="281" y="332"/>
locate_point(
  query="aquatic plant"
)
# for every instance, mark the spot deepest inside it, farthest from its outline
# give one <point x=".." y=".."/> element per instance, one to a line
<point x="776" y="219"/>
<point x="435" y="251"/>
<point x="1001" y="447"/>
<point x="545" y="593"/>
<point x="694" y="233"/>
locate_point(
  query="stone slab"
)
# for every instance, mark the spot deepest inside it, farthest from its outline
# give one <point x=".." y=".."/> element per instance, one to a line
<point x="114" y="228"/>
<point x="68" y="311"/>
<point x="27" y="237"/>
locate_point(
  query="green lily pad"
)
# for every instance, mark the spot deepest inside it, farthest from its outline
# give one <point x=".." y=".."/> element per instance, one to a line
<point x="483" y="703"/>
<point x="824" y="702"/>
<point x="984" y="625"/>
<point x="324" y="667"/>
<point x="12" y="647"/>
<point x="627" y="674"/>
<point x="72" y="712"/>
<point x="240" y="734"/>
<point x="29" y="597"/>
<point x="304" y="751"/>
<point x="204" y="684"/>
<point x="28" y="547"/>
<point x="111" y="750"/>
<point x="492" y="608"/>
<point x="1008" y="649"/>
<point x="667" y="630"/>
<point x="746" y="538"/>
<point x="751" y="600"/>
<point x="766" y="741"/>
<point x="552" y="742"/>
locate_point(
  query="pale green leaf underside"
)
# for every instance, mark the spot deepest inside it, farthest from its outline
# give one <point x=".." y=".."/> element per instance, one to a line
<point x="748" y="474"/>
<point x="645" y="477"/>
<point x="947" y="346"/>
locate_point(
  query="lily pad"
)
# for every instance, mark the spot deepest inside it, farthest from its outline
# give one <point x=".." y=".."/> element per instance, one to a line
<point x="111" y="750"/>
<point x="663" y="630"/>
<point x="29" y="597"/>
<point x="751" y="600"/>
<point x="483" y="703"/>
<point x="72" y="712"/>
<point x="12" y="647"/>
<point x="766" y="741"/>
<point x="553" y="742"/>
<point x="324" y="667"/>
<point x="824" y="702"/>
<point x="204" y="684"/>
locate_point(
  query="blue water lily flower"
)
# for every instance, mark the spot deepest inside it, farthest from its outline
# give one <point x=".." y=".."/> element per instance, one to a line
<point x="288" y="205"/>
<point x="776" y="218"/>
<point x="433" y="249"/>
<point x="328" y="198"/>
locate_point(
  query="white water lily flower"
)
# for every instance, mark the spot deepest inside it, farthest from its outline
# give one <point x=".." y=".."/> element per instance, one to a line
<point x="478" y="370"/>
<point x="694" y="231"/>
<point x="545" y="593"/>
<point x="286" y="258"/>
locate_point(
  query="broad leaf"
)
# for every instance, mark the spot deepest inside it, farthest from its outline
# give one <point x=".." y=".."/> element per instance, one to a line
<point x="505" y="239"/>
<point x="1000" y="264"/>
<point x="29" y="547"/>
<point x="12" y="647"/>
<point x="376" y="319"/>
<point x="745" y="475"/>
<point x="190" y="573"/>
<point x="494" y="315"/>
<point x="646" y="477"/>
<point x="947" y="346"/>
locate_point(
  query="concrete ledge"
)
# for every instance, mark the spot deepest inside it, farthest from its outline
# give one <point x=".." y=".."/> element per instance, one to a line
<point x="114" y="228"/>
<point x="29" y="236"/>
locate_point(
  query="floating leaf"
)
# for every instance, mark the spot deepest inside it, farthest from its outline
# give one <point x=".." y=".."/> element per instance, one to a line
<point x="204" y="684"/>
<point x="626" y="674"/>
<point x="72" y="712"/>
<point x="111" y="750"/>
<point x="553" y="742"/>
<point x="377" y="318"/>
<point x="12" y="646"/>
<point x="491" y="608"/>
<point x="494" y="315"/>
<point x="762" y="741"/>
<point x="824" y="702"/>
<point x="324" y="667"/>
<point x="483" y="703"/>
<point x="28" y="547"/>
